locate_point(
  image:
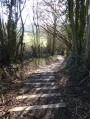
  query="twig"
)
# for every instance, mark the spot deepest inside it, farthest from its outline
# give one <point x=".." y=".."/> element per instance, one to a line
<point x="84" y="79"/>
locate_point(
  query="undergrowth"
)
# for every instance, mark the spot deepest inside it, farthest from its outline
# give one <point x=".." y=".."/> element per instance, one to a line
<point x="75" y="72"/>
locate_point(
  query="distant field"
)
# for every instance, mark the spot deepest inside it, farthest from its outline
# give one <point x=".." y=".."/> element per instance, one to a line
<point x="29" y="39"/>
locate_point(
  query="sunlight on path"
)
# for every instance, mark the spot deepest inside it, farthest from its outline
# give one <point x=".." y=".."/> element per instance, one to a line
<point x="26" y="108"/>
<point x="40" y="83"/>
<point x="47" y="88"/>
<point x="38" y="95"/>
<point x="44" y="75"/>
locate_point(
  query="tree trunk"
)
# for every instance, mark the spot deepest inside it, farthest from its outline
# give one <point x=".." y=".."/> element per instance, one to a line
<point x="88" y="35"/>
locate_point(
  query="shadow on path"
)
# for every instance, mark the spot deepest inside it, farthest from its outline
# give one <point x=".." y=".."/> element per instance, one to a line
<point x="39" y="99"/>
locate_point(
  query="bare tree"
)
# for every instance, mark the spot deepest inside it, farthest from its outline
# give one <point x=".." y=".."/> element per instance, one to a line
<point x="9" y="44"/>
<point x="51" y="20"/>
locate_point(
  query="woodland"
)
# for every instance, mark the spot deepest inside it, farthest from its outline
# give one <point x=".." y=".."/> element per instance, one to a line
<point x="54" y="28"/>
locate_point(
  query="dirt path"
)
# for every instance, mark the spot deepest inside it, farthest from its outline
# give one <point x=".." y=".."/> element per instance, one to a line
<point x="40" y="98"/>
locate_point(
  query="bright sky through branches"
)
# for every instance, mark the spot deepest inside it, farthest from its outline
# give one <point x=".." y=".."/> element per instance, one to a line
<point x="28" y="11"/>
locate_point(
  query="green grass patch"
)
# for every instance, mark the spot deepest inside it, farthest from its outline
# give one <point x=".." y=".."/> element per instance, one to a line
<point x="29" y="40"/>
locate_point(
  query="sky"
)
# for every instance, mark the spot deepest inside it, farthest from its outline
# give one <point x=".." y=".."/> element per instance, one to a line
<point x="27" y="10"/>
<point x="27" y="13"/>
